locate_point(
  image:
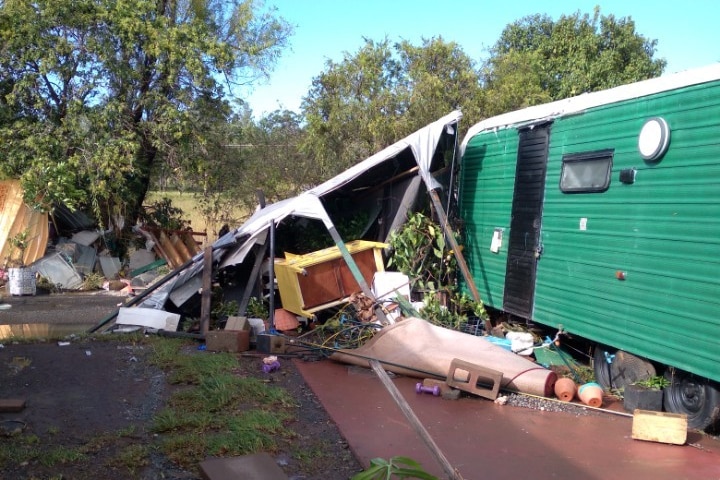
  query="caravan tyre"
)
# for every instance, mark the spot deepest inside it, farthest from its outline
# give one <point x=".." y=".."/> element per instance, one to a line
<point x="697" y="397"/>
<point x="602" y="367"/>
<point x="618" y="368"/>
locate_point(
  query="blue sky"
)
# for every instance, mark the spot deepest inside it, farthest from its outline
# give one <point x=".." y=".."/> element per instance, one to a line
<point x="688" y="32"/>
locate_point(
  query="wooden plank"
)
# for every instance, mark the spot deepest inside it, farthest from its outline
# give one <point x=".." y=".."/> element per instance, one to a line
<point x="190" y="242"/>
<point x="11" y="404"/>
<point x="180" y="247"/>
<point x="457" y="252"/>
<point x="660" y="427"/>
<point x="206" y="296"/>
<point x="451" y="472"/>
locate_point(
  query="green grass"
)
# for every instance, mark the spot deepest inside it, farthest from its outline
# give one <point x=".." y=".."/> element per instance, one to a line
<point x="61" y="455"/>
<point x="213" y="412"/>
<point x="218" y="412"/>
<point x="187" y="203"/>
<point x="132" y="458"/>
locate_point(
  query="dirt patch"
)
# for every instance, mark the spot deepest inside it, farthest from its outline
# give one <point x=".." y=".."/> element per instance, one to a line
<point x="99" y="396"/>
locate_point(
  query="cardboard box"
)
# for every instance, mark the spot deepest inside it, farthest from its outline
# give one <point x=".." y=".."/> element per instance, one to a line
<point x="233" y="341"/>
<point x="661" y="427"/>
<point x="237" y="323"/>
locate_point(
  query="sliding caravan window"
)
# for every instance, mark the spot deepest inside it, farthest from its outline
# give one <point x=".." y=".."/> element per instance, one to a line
<point x="586" y="172"/>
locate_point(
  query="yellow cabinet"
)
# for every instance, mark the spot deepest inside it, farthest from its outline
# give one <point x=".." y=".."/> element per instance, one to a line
<point x="318" y="280"/>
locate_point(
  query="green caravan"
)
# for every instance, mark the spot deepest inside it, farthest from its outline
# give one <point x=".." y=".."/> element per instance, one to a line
<point x="599" y="215"/>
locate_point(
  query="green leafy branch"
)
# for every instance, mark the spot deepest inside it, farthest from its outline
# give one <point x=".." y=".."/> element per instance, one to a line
<point x="396" y="467"/>
<point x="421" y="253"/>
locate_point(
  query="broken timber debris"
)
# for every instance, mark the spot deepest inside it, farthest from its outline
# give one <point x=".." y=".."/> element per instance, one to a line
<point x="11" y="404"/>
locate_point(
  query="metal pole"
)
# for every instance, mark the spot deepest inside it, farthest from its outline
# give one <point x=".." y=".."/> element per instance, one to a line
<point x="271" y="274"/>
<point x="451" y="472"/>
<point x="356" y="273"/>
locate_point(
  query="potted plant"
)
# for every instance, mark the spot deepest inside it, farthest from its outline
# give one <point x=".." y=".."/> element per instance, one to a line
<point x="21" y="279"/>
<point x="646" y="394"/>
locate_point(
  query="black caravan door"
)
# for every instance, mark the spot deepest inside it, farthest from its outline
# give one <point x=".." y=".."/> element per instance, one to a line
<point x="524" y="244"/>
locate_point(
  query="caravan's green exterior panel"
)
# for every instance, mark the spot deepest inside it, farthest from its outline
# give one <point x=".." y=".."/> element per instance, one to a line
<point x="660" y="233"/>
<point x="487" y="181"/>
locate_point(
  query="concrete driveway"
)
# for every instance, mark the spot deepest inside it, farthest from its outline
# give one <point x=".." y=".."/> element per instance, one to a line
<point x="483" y="440"/>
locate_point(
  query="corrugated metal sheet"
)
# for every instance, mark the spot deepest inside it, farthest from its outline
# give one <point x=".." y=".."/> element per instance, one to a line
<point x="663" y="231"/>
<point x="15" y="218"/>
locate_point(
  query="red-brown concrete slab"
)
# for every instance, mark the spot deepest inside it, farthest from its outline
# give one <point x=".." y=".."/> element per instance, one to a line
<point x="259" y="466"/>
<point x="12" y="404"/>
<point x="484" y="440"/>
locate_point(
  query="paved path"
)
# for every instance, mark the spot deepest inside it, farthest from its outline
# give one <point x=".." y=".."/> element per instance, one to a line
<point x="63" y="308"/>
<point x="488" y="441"/>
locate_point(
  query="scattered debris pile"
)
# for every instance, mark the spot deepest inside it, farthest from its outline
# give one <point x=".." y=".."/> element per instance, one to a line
<point x="83" y="260"/>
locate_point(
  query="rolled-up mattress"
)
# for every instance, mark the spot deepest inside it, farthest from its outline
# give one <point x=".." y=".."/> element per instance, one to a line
<point x="415" y="347"/>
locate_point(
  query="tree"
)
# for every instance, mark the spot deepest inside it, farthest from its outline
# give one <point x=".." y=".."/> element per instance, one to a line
<point x="100" y="92"/>
<point x="252" y="155"/>
<point x="276" y="164"/>
<point x="350" y="107"/>
<point x="438" y="77"/>
<point x="381" y="94"/>
<point x="537" y="59"/>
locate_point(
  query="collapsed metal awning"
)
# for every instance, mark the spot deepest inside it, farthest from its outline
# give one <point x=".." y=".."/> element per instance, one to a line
<point x="404" y="167"/>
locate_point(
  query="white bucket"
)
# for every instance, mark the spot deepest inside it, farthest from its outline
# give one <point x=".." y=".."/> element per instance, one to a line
<point x="257" y="326"/>
<point x="21" y="281"/>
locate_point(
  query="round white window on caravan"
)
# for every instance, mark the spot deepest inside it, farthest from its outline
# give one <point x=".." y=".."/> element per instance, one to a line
<point x="654" y="138"/>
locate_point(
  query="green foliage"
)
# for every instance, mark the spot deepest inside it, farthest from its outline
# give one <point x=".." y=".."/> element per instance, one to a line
<point x="450" y="309"/>
<point x="97" y="94"/>
<point x="224" y="309"/>
<point x="420" y="252"/>
<point x="132" y="458"/>
<point x="18" y="244"/>
<point x="583" y="373"/>
<point x="537" y="59"/>
<point x="218" y="413"/>
<point x="657" y="382"/>
<point x="382" y="93"/>
<point x="258" y="308"/>
<point x="205" y="418"/>
<point x="466" y="305"/>
<point x="301" y="235"/>
<point x="439" y="314"/>
<point x="248" y="156"/>
<point x="60" y="455"/>
<point x="163" y="214"/>
<point x="395" y="467"/>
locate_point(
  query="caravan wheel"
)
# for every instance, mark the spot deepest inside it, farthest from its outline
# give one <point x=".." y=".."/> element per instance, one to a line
<point x="617" y="368"/>
<point x="602" y="367"/>
<point x="697" y="397"/>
